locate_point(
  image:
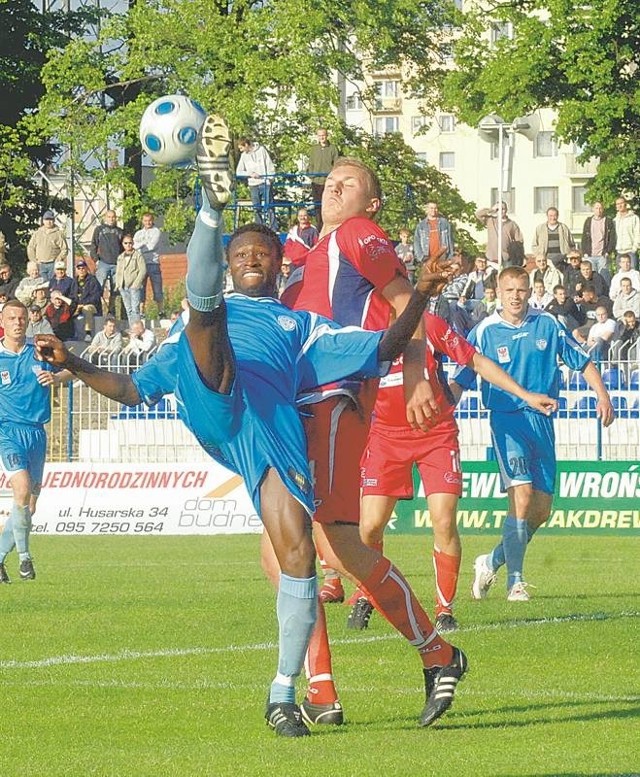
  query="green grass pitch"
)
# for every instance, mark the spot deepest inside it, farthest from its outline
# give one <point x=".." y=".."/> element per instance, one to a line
<point x="151" y="656"/>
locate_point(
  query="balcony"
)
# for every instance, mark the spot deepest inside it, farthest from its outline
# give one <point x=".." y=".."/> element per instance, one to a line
<point x="580" y="170"/>
<point x="388" y="105"/>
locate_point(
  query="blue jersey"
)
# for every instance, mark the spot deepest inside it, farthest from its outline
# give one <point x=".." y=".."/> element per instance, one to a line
<point x="528" y="352"/>
<point x="278" y="353"/>
<point x="22" y="399"/>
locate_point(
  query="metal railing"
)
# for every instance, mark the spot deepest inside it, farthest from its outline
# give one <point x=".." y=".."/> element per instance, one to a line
<point x="88" y="427"/>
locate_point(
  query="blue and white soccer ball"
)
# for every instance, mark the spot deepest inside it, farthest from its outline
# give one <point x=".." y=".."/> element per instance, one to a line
<point x="169" y="129"/>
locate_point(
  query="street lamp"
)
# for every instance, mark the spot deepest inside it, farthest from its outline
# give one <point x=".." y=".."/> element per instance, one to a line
<point x="494" y="128"/>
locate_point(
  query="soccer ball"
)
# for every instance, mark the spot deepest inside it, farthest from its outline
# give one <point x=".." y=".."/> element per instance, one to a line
<point x="169" y="129"/>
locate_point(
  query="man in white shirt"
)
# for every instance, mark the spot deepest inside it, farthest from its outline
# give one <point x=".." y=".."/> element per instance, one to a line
<point x="627" y="232"/>
<point x="257" y="167"/>
<point x="148" y="240"/>
<point x="625" y="271"/>
<point x="601" y="334"/>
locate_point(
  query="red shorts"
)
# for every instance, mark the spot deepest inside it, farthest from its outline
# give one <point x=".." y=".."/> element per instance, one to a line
<point x="391" y="452"/>
<point x="336" y="437"/>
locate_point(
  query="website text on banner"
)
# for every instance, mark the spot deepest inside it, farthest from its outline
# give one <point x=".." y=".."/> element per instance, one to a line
<point x="591" y="497"/>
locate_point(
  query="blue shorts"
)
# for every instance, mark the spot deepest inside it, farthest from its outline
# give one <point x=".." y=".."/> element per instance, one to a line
<point x="246" y="430"/>
<point x="23" y="446"/>
<point x="524" y="443"/>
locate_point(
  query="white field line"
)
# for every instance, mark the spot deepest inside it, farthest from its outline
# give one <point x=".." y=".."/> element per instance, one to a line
<point x="136" y="655"/>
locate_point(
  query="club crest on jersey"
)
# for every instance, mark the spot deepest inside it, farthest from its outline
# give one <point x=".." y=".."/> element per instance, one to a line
<point x="503" y="355"/>
<point x="5" y="377"/>
<point x="287" y="323"/>
<point x="541" y="344"/>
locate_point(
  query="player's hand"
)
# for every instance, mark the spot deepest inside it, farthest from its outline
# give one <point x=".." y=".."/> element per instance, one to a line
<point x="435" y="274"/>
<point x="542" y="403"/>
<point x="422" y="408"/>
<point x="605" y="411"/>
<point x="51" y="349"/>
<point x="45" y="378"/>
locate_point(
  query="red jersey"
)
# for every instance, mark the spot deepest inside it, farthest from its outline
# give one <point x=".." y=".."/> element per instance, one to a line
<point x="390" y="407"/>
<point x="344" y="274"/>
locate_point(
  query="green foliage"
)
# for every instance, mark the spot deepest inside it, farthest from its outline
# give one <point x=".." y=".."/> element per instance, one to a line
<point x="272" y="69"/>
<point x="580" y="59"/>
<point x="27" y="36"/>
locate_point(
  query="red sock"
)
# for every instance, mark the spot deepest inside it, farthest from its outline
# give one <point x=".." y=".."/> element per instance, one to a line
<point x="447" y="569"/>
<point x="317" y="663"/>
<point x="359" y="593"/>
<point x="392" y="596"/>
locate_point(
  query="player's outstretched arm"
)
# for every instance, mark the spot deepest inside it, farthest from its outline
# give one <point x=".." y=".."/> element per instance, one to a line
<point x="493" y="373"/>
<point x="604" y="408"/>
<point x="110" y="384"/>
<point x="397" y="337"/>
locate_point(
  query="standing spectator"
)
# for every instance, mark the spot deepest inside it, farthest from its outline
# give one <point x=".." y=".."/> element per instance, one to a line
<point x="38" y="324"/>
<point x="141" y="341"/>
<point x="283" y="275"/>
<point x="627" y="232"/>
<point x="627" y="299"/>
<point x="625" y="271"/>
<point x="26" y="287"/>
<point x="565" y="309"/>
<point x="456" y="312"/>
<point x="105" y="344"/>
<point x="8" y="284"/>
<point x="131" y="273"/>
<point x="512" y="240"/>
<point x="545" y="272"/>
<point x="594" y="278"/>
<point x="63" y="283"/>
<point x="257" y="167"/>
<point x="148" y="241"/>
<point x="598" y="238"/>
<point x="3" y="248"/>
<point x="47" y="246"/>
<point x="432" y="234"/>
<point x="553" y="239"/>
<point x="404" y="251"/>
<point x="105" y="248"/>
<point x="540" y="297"/>
<point x="300" y="238"/>
<point x="572" y="276"/>
<point x="322" y="157"/>
<point x="60" y="316"/>
<point x="88" y="297"/>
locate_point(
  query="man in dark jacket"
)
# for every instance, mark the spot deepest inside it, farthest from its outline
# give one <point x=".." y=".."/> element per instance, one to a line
<point x="88" y="297"/>
<point x="105" y="249"/>
<point x="599" y="239"/>
<point x="8" y="284"/>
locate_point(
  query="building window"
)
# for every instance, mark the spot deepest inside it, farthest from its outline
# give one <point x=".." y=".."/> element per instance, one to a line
<point x="447" y="160"/>
<point x="385" y="124"/>
<point x="417" y="123"/>
<point x="447" y="122"/>
<point x="508" y="197"/>
<point x="578" y="202"/>
<point x="421" y="158"/>
<point x="388" y="88"/>
<point x="354" y="102"/>
<point x="544" y="197"/>
<point x="545" y="145"/>
<point x="501" y="30"/>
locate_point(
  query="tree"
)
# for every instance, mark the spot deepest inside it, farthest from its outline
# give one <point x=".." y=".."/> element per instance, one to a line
<point x="272" y="68"/>
<point x="27" y="36"/>
<point x="579" y="58"/>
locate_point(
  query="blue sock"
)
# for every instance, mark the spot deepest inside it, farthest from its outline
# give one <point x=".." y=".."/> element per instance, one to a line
<point x="7" y="541"/>
<point x="514" y="541"/>
<point x="205" y="259"/>
<point x="297" y="608"/>
<point x="496" y="557"/>
<point x="21" y="517"/>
